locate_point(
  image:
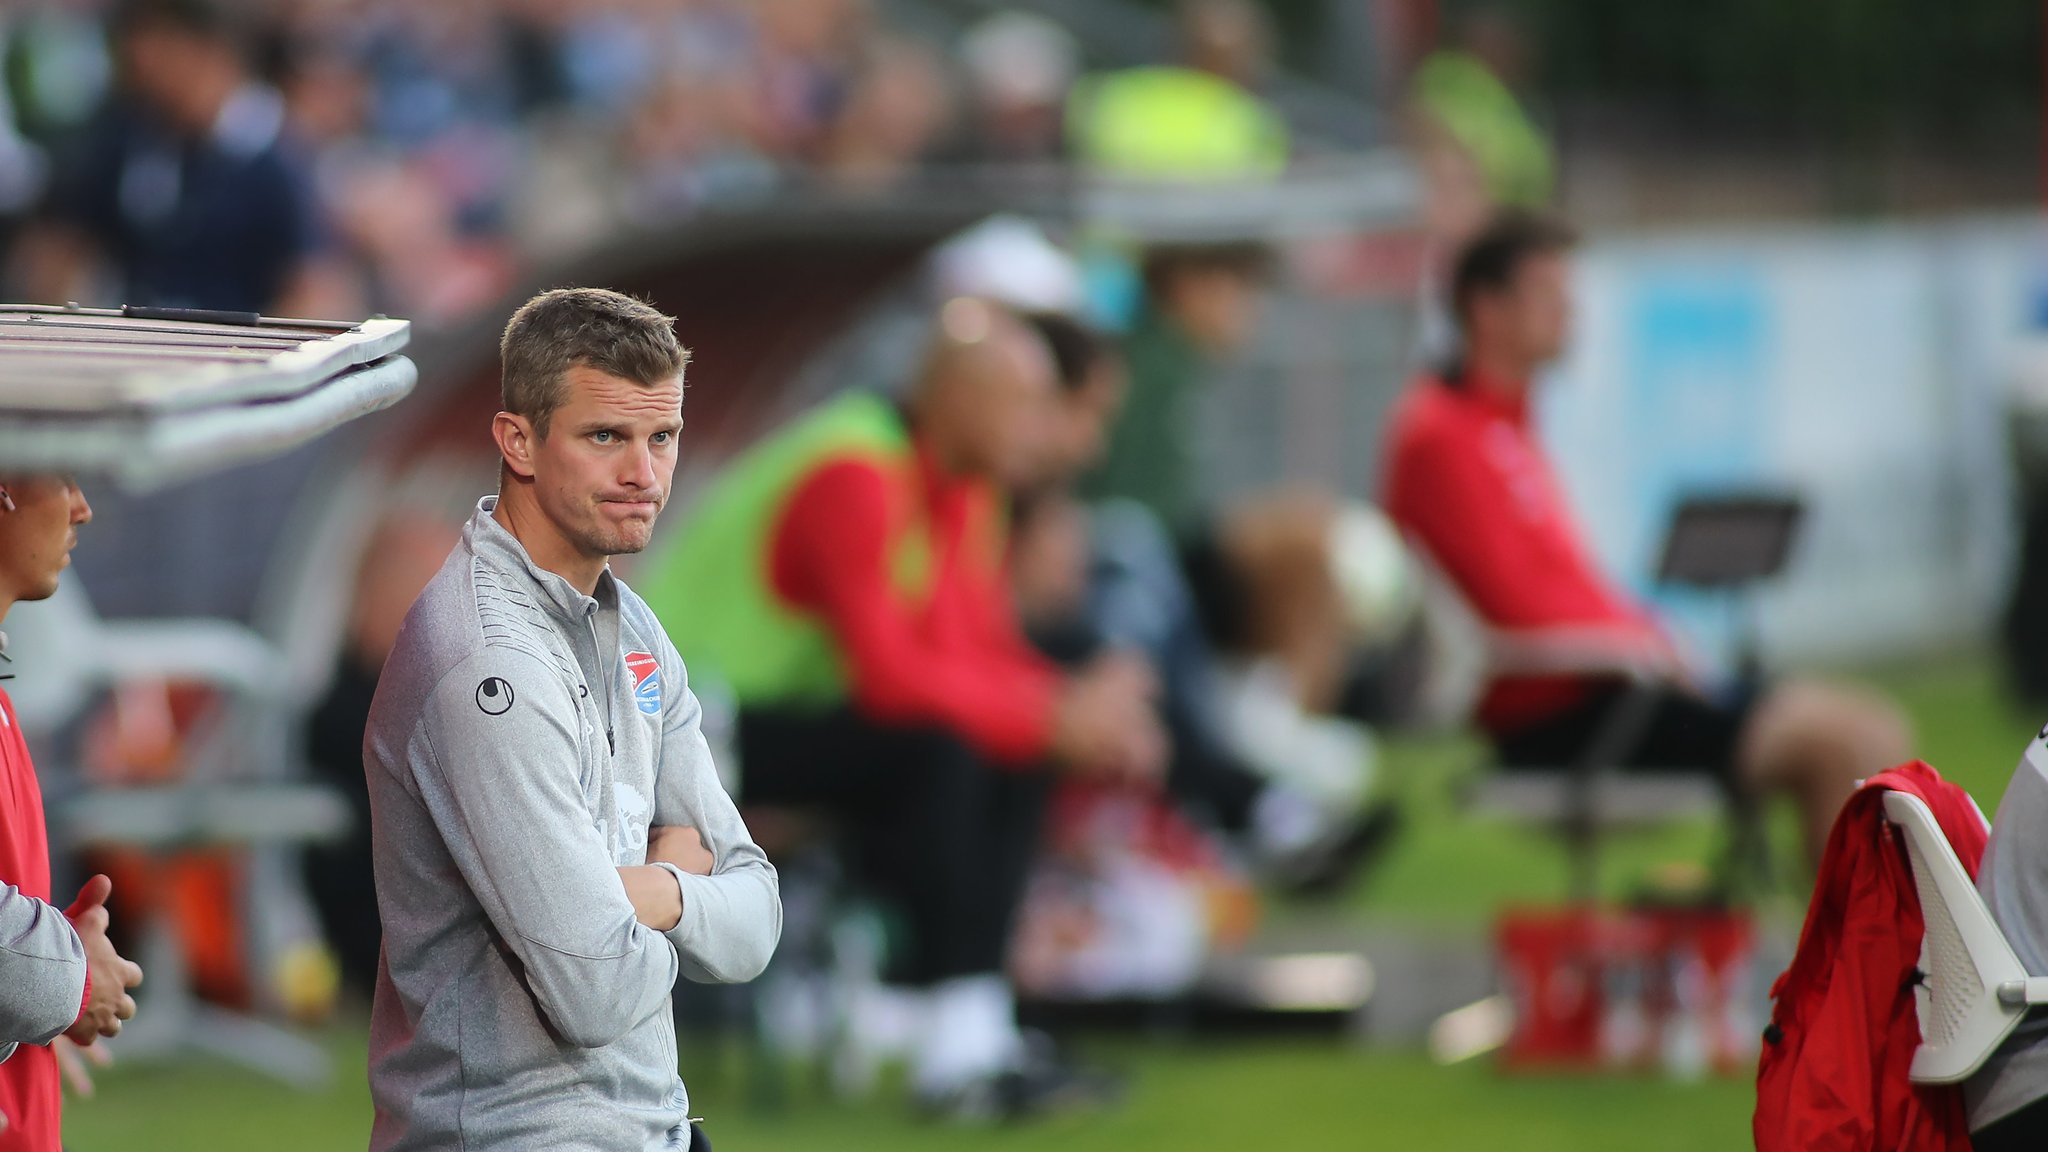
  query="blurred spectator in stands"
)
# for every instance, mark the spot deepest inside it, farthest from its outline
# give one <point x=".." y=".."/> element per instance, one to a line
<point x="186" y="192"/>
<point x="897" y="103"/>
<point x="805" y="51"/>
<point x="188" y="187"/>
<point x="1476" y="148"/>
<point x="55" y="65"/>
<point x="327" y="96"/>
<point x="449" y="94"/>
<point x="688" y="142"/>
<point x="23" y="166"/>
<point x="1201" y="305"/>
<point x="1093" y="578"/>
<point x="1464" y="97"/>
<point x="1019" y="68"/>
<point x="1253" y="590"/>
<point x="420" y="264"/>
<point x="1202" y="119"/>
<point x="1468" y="478"/>
<point x="612" y="51"/>
<point x="1089" y="580"/>
<point x="439" y="68"/>
<point x="845" y="582"/>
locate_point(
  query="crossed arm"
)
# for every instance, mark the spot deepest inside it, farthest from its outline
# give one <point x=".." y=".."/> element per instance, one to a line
<point x="731" y="914"/>
<point x="600" y="945"/>
<point x="498" y="785"/>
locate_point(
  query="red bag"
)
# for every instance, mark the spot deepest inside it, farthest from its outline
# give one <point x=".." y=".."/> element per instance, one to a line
<point x="1843" y="1029"/>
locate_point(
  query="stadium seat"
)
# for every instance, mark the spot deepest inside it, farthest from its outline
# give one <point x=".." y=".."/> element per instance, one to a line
<point x="1976" y="990"/>
<point x="1581" y="801"/>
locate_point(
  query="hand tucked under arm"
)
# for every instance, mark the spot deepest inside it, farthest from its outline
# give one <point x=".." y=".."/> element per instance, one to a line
<point x="656" y="894"/>
<point x="657" y="901"/>
<point x="681" y="847"/>
<point x="732" y="910"/>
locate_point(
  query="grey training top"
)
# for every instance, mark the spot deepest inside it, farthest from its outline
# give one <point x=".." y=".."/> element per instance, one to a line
<point x="2013" y="879"/>
<point x="42" y="969"/>
<point x="523" y="738"/>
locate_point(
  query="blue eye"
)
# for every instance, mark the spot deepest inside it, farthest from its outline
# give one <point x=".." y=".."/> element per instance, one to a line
<point x="663" y="437"/>
<point x="601" y="437"/>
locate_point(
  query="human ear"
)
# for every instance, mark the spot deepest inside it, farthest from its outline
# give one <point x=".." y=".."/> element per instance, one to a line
<point x="516" y="439"/>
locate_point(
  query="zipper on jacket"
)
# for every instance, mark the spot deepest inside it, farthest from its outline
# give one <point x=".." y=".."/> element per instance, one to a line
<point x="604" y="671"/>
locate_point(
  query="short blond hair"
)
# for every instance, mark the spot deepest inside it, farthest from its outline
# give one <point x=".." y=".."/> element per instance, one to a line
<point x="596" y="328"/>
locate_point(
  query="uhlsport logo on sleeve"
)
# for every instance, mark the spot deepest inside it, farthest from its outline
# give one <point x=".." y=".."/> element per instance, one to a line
<point x="646" y="681"/>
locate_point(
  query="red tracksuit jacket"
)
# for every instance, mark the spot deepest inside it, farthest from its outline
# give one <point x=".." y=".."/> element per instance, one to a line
<point x="1843" y="1030"/>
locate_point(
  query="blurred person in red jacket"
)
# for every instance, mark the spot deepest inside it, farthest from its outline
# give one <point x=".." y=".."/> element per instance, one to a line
<point x="60" y="978"/>
<point x="1468" y="479"/>
<point x="844" y="581"/>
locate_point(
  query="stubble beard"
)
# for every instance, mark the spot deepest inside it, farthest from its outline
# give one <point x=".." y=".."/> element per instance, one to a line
<point x="601" y="539"/>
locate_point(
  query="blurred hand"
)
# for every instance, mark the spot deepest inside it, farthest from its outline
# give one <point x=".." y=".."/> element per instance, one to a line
<point x="681" y="847"/>
<point x="1107" y="728"/>
<point x="72" y="1061"/>
<point x="112" y="976"/>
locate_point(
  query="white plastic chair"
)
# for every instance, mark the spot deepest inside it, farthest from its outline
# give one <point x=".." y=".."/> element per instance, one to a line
<point x="1975" y="991"/>
<point x="242" y="791"/>
<point x="1583" y="800"/>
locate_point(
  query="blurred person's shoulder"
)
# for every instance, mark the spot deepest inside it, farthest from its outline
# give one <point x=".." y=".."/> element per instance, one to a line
<point x="1428" y="412"/>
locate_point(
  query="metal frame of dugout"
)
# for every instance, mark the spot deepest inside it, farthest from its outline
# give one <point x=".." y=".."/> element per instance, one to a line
<point x="140" y="398"/>
<point x="145" y="397"/>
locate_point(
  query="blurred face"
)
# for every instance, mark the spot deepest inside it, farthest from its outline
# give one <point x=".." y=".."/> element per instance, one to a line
<point x="1226" y="37"/>
<point x="1010" y="423"/>
<point x="36" y="538"/>
<point x="328" y="99"/>
<point x="990" y="407"/>
<point x="1218" y="307"/>
<point x="1542" y="305"/>
<point x="173" y="71"/>
<point x="1081" y="419"/>
<point x="1530" y="322"/>
<point x="148" y="60"/>
<point x="601" y="474"/>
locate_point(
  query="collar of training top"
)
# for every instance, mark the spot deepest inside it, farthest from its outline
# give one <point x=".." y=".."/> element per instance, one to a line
<point x="489" y="540"/>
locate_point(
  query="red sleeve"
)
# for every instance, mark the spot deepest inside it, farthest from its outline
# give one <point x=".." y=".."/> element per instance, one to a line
<point x="830" y="554"/>
<point x="84" y="998"/>
<point x="1445" y="495"/>
<point x="986" y="583"/>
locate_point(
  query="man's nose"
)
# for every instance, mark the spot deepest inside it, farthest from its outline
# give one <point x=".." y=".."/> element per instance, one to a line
<point x="639" y="472"/>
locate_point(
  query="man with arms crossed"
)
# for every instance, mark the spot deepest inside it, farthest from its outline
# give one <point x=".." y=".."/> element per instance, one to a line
<point x="59" y="975"/>
<point x="539" y="784"/>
